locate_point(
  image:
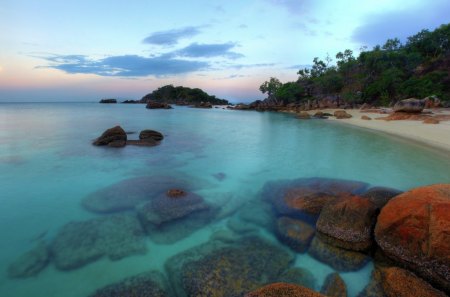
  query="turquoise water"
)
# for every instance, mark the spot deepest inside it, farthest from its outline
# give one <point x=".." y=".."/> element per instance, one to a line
<point x="47" y="166"/>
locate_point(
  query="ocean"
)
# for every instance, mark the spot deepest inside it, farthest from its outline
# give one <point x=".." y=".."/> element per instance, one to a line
<point x="50" y="172"/>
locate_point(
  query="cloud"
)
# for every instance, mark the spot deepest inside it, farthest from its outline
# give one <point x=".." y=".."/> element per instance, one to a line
<point x="258" y="65"/>
<point x="402" y="24"/>
<point x="196" y="50"/>
<point x="299" y="66"/>
<point x="171" y="37"/>
<point x="124" y="66"/>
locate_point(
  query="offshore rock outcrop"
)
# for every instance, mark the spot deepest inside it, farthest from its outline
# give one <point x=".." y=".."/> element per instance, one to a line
<point x="219" y="269"/>
<point x="147" y="284"/>
<point x="79" y="243"/>
<point x="158" y="105"/>
<point x="113" y="137"/>
<point x="413" y="229"/>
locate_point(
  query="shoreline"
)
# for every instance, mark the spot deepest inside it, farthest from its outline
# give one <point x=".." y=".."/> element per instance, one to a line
<point x="436" y="136"/>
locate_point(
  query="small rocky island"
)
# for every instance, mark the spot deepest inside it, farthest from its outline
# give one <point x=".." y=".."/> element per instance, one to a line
<point x="117" y="137"/>
<point x="108" y="101"/>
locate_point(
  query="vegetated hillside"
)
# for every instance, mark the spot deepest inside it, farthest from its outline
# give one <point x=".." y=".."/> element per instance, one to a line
<point x="418" y="68"/>
<point x="182" y="95"/>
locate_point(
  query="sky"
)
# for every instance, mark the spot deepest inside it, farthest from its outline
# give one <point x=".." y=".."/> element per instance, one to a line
<point x="53" y="50"/>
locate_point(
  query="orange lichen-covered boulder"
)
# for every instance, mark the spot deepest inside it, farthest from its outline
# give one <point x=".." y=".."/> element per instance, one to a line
<point x="283" y="290"/>
<point x="402" y="283"/>
<point x="414" y="230"/>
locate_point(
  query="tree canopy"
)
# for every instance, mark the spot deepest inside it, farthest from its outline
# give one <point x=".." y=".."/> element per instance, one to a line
<point x="418" y="68"/>
<point x="184" y="95"/>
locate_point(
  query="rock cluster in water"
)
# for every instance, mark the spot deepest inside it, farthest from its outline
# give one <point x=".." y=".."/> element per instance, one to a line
<point x="342" y="223"/>
<point x="117" y="137"/>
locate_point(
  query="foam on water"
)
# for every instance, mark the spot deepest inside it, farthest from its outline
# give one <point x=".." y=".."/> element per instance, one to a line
<point x="47" y="166"/>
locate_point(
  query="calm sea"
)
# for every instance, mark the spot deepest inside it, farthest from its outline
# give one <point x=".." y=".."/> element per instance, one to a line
<point x="48" y="166"/>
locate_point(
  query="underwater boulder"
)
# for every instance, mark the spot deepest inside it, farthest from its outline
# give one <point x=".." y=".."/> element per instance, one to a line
<point x="348" y="222"/>
<point x="81" y="242"/>
<point x="30" y="263"/>
<point x="223" y="269"/>
<point x="127" y="194"/>
<point x="295" y="233"/>
<point x="283" y="290"/>
<point x="147" y="284"/>
<point x="380" y="195"/>
<point x="334" y="286"/>
<point x="398" y="282"/>
<point x="413" y="229"/>
<point x="340" y="259"/>
<point x="305" y="197"/>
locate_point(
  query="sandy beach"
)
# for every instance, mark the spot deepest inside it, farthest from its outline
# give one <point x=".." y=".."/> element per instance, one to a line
<point x="433" y="135"/>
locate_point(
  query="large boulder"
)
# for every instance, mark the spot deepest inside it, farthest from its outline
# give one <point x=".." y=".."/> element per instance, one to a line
<point x="151" y="134"/>
<point x="381" y="195"/>
<point x="295" y="233"/>
<point x="283" y="290"/>
<point x="79" y="243"/>
<point x="397" y="282"/>
<point x="113" y="137"/>
<point x="342" y="114"/>
<point x="220" y="270"/>
<point x="338" y="258"/>
<point x="414" y="229"/>
<point x="305" y="197"/>
<point x="410" y="105"/>
<point x="147" y="284"/>
<point x="127" y="194"/>
<point x="30" y="263"/>
<point x="171" y="216"/>
<point x="348" y="222"/>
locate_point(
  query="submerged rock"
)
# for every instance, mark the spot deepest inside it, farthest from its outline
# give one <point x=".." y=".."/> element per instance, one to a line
<point x="227" y="269"/>
<point x="414" y="230"/>
<point x="147" y="284"/>
<point x="334" y="286"/>
<point x="303" y="115"/>
<point x="127" y="194"/>
<point x="305" y="197"/>
<point x="79" y="243"/>
<point x="381" y="195"/>
<point x="30" y="263"/>
<point x="349" y="222"/>
<point x="283" y="290"/>
<point x="338" y="258"/>
<point x="397" y="282"/>
<point x="165" y="208"/>
<point x="295" y="233"/>
<point x="220" y="176"/>
<point x="168" y="219"/>
<point x="113" y="137"/>
<point x="298" y="276"/>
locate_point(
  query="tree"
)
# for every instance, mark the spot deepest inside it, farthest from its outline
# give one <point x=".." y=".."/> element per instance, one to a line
<point x="289" y="92"/>
<point x="270" y="87"/>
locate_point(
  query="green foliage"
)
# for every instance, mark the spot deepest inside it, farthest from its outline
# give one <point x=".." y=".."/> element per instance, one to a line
<point x="270" y="87"/>
<point x="386" y="73"/>
<point x="171" y="94"/>
<point x="289" y="92"/>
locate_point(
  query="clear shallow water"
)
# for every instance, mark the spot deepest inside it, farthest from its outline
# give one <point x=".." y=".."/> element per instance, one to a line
<point x="47" y="166"/>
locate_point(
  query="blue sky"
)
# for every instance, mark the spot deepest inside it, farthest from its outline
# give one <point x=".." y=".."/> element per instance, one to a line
<point x="87" y="50"/>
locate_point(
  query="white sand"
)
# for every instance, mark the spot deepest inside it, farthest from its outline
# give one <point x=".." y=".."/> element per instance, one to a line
<point x="433" y="135"/>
